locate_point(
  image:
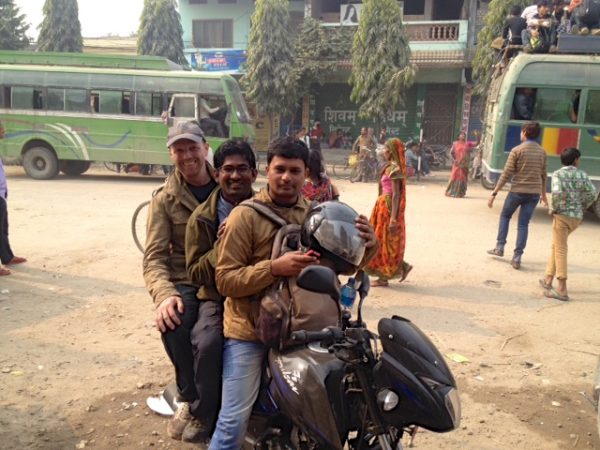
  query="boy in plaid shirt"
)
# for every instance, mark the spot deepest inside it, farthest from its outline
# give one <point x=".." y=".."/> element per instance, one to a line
<point x="572" y="194"/>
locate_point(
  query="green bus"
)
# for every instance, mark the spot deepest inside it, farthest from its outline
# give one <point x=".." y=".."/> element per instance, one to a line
<point x="62" y="111"/>
<point x="562" y="93"/>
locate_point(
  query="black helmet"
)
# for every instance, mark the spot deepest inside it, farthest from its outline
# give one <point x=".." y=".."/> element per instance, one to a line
<point x="330" y="229"/>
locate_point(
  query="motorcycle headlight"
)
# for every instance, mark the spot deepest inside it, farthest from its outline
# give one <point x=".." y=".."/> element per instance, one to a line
<point x="452" y="402"/>
<point x="387" y="399"/>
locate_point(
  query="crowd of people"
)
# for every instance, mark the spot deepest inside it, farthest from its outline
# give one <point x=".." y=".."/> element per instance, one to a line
<point x="537" y="27"/>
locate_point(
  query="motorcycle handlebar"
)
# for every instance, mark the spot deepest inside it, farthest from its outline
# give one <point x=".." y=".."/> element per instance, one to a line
<point x="304" y="337"/>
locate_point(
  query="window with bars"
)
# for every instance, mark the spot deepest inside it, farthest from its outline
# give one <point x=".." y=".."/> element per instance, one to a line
<point x="213" y="33"/>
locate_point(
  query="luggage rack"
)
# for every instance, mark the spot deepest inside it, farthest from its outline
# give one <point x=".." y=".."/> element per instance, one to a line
<point x="578" y="44"/>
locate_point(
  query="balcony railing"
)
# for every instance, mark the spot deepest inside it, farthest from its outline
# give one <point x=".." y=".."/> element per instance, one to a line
<point x="433" y="31"/>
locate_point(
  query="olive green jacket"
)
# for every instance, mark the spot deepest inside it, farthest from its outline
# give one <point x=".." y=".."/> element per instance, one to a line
<point x="164" y="257"/>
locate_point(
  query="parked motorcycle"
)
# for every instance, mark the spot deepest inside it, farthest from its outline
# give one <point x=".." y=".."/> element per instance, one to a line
<point x="347" y="387"/>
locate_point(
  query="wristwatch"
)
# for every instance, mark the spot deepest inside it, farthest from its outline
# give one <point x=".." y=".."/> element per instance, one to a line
<point x="494" y="194"/>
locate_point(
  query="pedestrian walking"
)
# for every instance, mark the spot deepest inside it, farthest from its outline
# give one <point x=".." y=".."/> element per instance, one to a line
<point x="526" y="168"/>
<point x="572" y="193"/>
<point x="461" y="154"/>
<point x="387" y="218"/>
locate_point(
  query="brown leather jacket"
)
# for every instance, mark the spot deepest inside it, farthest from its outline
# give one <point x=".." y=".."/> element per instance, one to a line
<point x="244" y="262"/>
<point x="164" y="257"/>
<point x="243" y="269"/>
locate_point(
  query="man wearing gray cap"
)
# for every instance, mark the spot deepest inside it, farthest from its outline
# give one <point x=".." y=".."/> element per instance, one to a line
<point x="173" y="292"/>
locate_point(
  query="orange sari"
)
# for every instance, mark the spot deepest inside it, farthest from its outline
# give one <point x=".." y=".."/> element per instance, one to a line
<point x="389" y="261"/>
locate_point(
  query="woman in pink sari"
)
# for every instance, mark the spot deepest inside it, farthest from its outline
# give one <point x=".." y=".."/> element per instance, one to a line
<point x="461" y="152"/>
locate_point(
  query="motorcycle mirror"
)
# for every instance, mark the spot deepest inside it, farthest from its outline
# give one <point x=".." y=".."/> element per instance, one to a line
<point x="319" y="279"/>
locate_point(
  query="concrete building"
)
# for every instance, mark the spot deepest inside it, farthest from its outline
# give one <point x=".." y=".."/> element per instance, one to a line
<point x="442" y="41"/>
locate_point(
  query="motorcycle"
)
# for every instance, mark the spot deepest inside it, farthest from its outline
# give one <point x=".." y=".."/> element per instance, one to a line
<point x="347" y="387"/>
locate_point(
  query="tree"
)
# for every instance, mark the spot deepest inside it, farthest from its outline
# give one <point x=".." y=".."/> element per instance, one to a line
<point x="317" y="51"/>
<point x="381" y="69"/>
<point x="269" y="58"/>
<point x="60" y="30"/>
<point x="12" y="27"/>
<point x="160" y="32"/>
<point x="485" y="55"/>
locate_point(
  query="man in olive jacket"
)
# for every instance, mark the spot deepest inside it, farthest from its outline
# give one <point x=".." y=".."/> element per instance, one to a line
<point x="235" y="166"/>
<point x="173" y="292"/>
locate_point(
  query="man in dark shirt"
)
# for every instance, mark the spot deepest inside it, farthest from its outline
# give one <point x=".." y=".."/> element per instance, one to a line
<point x="514" y="26"/>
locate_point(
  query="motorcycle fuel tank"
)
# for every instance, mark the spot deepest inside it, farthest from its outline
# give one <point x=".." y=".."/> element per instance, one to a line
<point x="414" y="369"/>
<point x="299" y="386"/>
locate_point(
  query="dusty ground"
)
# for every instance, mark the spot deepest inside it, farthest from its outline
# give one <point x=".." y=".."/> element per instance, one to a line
<point x="79" y="355"/>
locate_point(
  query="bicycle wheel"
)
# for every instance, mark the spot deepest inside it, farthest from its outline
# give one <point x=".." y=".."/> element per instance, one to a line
<point x="342" y="171"/>
<point x="138" y="225"/>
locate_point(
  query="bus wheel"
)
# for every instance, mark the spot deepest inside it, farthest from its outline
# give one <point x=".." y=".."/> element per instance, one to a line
<point x="487" y="183"/>
<point x="40" y="163"/>
<point x="74" y="167"/>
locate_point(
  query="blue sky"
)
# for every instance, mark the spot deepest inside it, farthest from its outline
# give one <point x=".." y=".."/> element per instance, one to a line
<point x="97" y="17"/>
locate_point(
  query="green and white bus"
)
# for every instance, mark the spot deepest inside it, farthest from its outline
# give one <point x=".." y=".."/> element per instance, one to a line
<point x="62" y="111"/>
<point x="563" y="95"/>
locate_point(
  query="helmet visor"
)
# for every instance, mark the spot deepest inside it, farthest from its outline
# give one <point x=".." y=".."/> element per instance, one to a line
<point x="341" y="239"/>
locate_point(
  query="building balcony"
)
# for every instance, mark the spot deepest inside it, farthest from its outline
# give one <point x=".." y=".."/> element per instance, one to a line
<point x="434" y="43"/>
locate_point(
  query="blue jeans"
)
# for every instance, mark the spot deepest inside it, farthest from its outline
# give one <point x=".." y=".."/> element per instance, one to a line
<point x="242" y="370"/>
<point x="527" y="202"/>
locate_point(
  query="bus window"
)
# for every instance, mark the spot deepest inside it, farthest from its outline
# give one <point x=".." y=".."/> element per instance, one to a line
<point x="523" y="104"/>
<point x="22" y="98"/>
<point x="592" y="109"/>
<point x="126" y="105"/>
<point x="75" y="100"/>
<point x="38" y="99"/>
<point x="553" y="105"/>
<point x="109" y="102"/>
<point x="4" y="97"/>
<point x="148" y="104"/>
<point x="56" y="99"/>
<point x="574" y="106"/>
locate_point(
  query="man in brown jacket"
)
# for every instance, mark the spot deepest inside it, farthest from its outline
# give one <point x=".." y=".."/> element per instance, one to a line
<point x="235" y="167"/>
<point x="526" y="170"/>
<point x="244" y="270"/>
<point x="173" y="292"/>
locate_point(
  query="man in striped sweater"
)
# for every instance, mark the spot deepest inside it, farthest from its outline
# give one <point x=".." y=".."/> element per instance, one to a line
<point x="526" y="171"/>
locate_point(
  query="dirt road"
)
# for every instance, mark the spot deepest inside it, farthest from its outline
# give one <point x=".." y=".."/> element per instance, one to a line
<point x="79" y="353"/>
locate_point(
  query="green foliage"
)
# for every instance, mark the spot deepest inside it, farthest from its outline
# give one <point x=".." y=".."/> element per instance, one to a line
<point x="381" y="69"/>
<point x="485" y="55"/>
<point x="269" y="57"/>
<point x="12" y="27"/>
<point x="160" y="32"/>
<point x="317" y="51"/>
<point x="60" y="30"/>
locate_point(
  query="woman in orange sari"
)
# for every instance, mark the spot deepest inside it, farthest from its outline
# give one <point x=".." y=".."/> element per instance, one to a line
<point x="461" y="153"/>
<point x="387" y="218"/>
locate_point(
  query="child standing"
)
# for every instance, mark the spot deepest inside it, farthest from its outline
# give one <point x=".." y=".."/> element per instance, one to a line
<point x="572" y="194"/>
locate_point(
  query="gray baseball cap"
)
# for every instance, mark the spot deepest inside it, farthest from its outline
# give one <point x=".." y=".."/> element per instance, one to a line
<point x="185" y="130"/>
